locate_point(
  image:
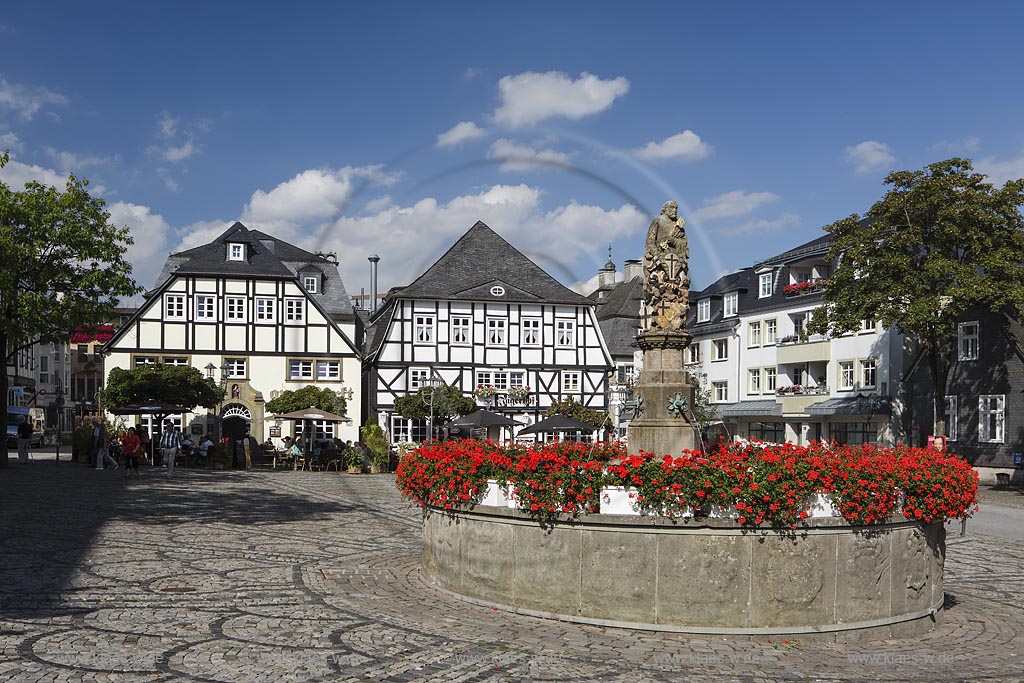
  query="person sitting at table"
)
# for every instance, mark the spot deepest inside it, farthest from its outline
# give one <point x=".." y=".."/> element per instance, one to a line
<point x="204" y="448"/>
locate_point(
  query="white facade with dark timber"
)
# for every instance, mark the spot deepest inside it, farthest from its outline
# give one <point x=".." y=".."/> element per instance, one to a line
<point x="271" y="315"/>
<point x="485" y="314"/>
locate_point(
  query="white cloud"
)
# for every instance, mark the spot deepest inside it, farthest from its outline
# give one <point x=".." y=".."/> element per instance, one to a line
<point x="411" y="238"/>
<point x="313" y="194"/>
<point x="585" y="287"/>
<point x="27" y="100"/>
<point x="471" y="72"/>
<point x="203" y="232"/>
<point x="167" y="125"/>
<point x="169" y="182"/>
<point x="519" y="157"/>
<point x="761" y="227"/>
<point x="971" y="143"/>
<point x="151" y="235"/>
<point x="531" y="97"/>
<point x="179" y="153"/>
<point x="731" y="204"/>
<point x="869" y="156"/>
<point x="686" y="146"/>
<point x="16" y="174"/>
<point x="10" y="141"/>
<point x="71" y="162"/>
<point x="999" y="172"/>
<point x="459" y="133"/>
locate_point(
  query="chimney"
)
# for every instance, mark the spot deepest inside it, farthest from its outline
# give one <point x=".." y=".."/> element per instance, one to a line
<point x="373" y="259"/>
<point x="633" y="268"/>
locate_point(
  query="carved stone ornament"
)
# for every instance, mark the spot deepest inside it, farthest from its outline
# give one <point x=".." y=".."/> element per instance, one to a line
<point x="677" y="405"/>
<point x="666" y="272"/>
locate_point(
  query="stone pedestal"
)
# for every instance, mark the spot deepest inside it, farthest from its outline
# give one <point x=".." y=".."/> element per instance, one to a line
<point x="657" y="429"/>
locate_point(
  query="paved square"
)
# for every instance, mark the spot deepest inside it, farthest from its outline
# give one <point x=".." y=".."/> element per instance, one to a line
<point x="292" y="576"/>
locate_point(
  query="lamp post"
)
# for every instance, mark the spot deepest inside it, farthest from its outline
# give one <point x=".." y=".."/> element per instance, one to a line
<point x="222" y="385"/>
<point x="434" y="383"/>
<point x="59" y="402"/>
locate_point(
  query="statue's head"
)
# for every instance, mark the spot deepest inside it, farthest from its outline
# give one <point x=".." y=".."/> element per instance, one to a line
<point x="670" y="209"/>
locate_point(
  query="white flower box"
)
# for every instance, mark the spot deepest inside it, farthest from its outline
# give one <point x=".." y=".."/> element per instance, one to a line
<point x="819" y="505"/>
<point x="494" y="495"/>
<point x="619" y="500"/>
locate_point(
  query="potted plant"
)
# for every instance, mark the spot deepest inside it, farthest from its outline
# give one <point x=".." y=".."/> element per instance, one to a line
<point x="354" y="459"/>
<point x="485" y="391"/>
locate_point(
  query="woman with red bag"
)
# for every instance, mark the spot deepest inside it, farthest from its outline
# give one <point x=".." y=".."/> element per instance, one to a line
<point x="131" y="449"/>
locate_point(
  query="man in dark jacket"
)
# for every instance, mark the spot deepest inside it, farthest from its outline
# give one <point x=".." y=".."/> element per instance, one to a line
<point x="24" y="436"/>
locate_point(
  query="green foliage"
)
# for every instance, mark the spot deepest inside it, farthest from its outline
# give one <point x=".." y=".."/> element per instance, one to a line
<point x="62" y="266"/>
<point x="178" y="384"/>
<point x="376" y="443"/>
<point x="577" y="411"/>
<point x="940" y="242"/>
<point x="308" y="396"/>
<point x="705" y="410"/>
<point x="449" y="402"/>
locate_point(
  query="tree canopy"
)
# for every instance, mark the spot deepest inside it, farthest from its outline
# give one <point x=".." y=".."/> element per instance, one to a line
<point x="309" y="396"/>
<point x="577" y="411"/>
<point x="177" y="384"/>
<point x="449" y="402"/>
<point x="62" y="266"/>
<point x="940" y="242"/>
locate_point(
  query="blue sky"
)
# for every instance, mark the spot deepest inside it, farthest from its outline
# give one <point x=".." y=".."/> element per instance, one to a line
<point x="391" y="128"/>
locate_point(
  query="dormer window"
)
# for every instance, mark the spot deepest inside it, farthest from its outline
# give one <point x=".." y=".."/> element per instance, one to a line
<point x="703" y="310"/>
<point x="236" y="251"/>
<point x="309" y="282"/>
<point x="765" y="285"/>
<point x="730" y="304"/>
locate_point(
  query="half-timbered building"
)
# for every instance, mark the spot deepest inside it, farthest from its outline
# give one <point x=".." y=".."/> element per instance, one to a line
<point x="488" y="320"/>
<point x="260" y="315"/>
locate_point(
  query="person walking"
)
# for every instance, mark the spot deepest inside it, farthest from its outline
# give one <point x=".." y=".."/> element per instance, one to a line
<point x="100" y="442"/>
<point x="24" y="436"/>
<point x="143" y="433"/>
<point x="131" y="450"/>
<point x="170" y="442"/>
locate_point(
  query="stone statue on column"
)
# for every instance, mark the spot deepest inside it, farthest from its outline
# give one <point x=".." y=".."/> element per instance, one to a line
<point x="664" y="391"/>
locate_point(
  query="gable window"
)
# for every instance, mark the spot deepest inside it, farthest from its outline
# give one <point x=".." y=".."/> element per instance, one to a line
<point x="309" y="282"/>
<point x="174" y="306"/>
<point x="868" y="373"/>
<point x="846" y="374"/>
<point x="967" y="340"/>
<point x="770" y="375"/>
<point x="294" y="310"/>
<point x="703" y="310"/>
<point x="236" y="368"/>
<point x="991" y="418"/>
<point x="720" y="349"/>
<point x="730" y="304"/>
<point x="771" y="331"/>
<point x="754" y="384"/>
<point x="424" y="332"/>
<point x="531" y="331"/>
<point x="950" y="418"/>
<point x="754" y="334"/>
<point x="265" y="310"/>
<point x="205" y="306"/>
<point x="236" y="251"/>
<point x="721" y="390"/>
<point x="461" y="330"/>
<point x="565" y="333"/>
<point x="300" y="369"/>
<point x="418" y="378"/>
<point x="496" y="331"/>
<point x="234" y="307"/>
<point x="175" y="360"/>
<point x="328" y="370"/>
<point x="570" y="381"/>
<point x="764" y="289"/>
<point x="693" y="353"/>
<point x="145" y="360"/>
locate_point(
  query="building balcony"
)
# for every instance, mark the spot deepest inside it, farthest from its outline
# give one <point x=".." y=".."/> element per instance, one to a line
<point x="796" y="404"/>
<point x="806" y="287"/>
<point x="792" y="349"/>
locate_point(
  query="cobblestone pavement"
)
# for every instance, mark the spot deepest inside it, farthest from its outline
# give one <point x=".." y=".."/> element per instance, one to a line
<point x="290" y="576"/>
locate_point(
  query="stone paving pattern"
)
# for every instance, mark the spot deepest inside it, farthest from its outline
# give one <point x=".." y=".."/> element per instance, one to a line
<point x="292" y="576"/>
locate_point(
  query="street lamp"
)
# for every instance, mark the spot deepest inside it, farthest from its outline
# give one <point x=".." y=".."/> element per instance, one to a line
<point x="434" y="383"/>
<point x="222" y="385"/>
<point x="59" y="402"/>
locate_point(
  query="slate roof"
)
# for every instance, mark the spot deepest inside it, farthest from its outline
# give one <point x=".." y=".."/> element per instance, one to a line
<point x="481" y="259"/>
<point x="266" y="257"/>
<point x="619" y="317"/>
<point x="749" y="408"/>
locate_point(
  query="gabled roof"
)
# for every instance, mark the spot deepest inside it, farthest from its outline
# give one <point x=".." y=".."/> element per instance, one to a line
<point x="481" y="259"/>
<point x="623" y="301"/>
<point x="815" y="247"/>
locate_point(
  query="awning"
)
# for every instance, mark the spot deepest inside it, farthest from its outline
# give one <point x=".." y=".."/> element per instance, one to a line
<point x="484" y="418"/>
<point x="770" y="408"/>
<point x="558" y="423"/>
<point x="852" y="405"/>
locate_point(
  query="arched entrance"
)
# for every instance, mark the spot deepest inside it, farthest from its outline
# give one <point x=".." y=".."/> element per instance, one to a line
<point x="236" y="421"/>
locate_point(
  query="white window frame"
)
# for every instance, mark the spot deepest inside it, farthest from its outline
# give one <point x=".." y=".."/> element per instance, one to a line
<point x="300" y="369"/>
<point x="139" y="361"/>
<point x="328" y="370"/>
<point x="565" y="334"/>
<point x="693" y="353"/>
<point x="174" y="306"/>
<point x="868" y="365"/>
<point x="500" y="381"/>
<point x="294" y="311"/>
<point x="461" y="330"/>
<point x="237" y="368"/>
<point x="497" y="332"/>
<point x="992" y="407"/>
<point x="572" y="381"/>
<point x="968" y="342"/>
<point x="764" y="289"/>
<point x="266" y="309"/>
<point x="177" y="361"/>
<point x="773" y="325"/>
<point x="953" y="420"/>
<point x="754" y="381"/>
<point x="703" y="310"/>
<point x="846" y="377"/>
<point x="719" y="349"/>
<point x="234" y="308"/>
<point x="424" y="329"/>
<point x="754" y="333"/>
<point x="721" y="391"/>
<point x="418" y="378"/>
<point x="517" y="378"/>
<point x="770" y="378"/>
<point x="530" y="333"/>
<point x="309" y="282"/>
<point x="730" y="305"/>
<point x="868" y="326"/>
<point x="206" y="307"/>
<point x="236" y="251"/>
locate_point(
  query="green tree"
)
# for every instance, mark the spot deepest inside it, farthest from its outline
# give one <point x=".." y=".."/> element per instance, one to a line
<point x="577" y="411"/>
<point x="704" y="408"/>
<point x="178" y="384"/>
<point x="940" y="242"/>
<point x="308" y="396"/>
<point x="62" y="267"/>
<point x="449" y="402"/>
